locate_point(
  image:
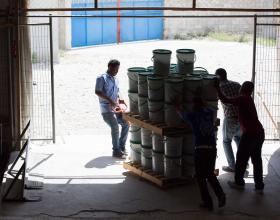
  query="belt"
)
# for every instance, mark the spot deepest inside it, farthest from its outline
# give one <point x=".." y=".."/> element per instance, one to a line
<point x="204" y="147"/>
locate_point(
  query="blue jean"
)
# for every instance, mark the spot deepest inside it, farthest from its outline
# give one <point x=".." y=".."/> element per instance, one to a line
<point x="113" y="120"/>
<point x="231" y="131"/>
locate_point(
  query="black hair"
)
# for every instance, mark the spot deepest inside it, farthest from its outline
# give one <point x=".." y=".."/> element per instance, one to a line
<point x="221" y="72"/>
<point x="113" y="63"/>
<point x="248" y="87"/>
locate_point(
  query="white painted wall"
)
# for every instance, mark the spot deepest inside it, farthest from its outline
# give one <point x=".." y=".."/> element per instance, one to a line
<point x="197" y="26"/>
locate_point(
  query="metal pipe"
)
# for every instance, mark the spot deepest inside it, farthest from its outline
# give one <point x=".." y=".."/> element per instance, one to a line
<point x="254" y="52"/>
<point x="148" y="16"/>
<point x="152" y="8"/>
<point x="95" y="3"/>
<point x="11" y="87"/>
<point x="52" y="78"/>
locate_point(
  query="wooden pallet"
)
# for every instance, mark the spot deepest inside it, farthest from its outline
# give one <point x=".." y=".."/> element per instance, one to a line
<point x="160" y="180"/>
<point x="158" y="128"/>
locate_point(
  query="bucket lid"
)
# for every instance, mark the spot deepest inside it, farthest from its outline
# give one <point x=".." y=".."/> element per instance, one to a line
<point x="150" y="68"/>
<point x="173" y="66"/>
<point x="174" y="80"/>
<point x="210" y="76"/>
<point x="155" y="77"/>
<point x="137" y="69"/>
<point x="185" y="51"/>
<point x="193" y="78"/>
<point x="162" y="51"/>
<point x="147" y="73"/>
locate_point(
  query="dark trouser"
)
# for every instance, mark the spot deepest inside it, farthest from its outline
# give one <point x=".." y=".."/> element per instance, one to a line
<point x="205" y="160"/>
<point x="250" y="146"/>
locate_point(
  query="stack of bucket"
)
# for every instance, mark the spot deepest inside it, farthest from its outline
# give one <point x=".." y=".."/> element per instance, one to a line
<point x="152" y="92"/>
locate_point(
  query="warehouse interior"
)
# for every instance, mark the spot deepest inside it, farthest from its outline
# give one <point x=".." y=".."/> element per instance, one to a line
<point x="68" y="163"/>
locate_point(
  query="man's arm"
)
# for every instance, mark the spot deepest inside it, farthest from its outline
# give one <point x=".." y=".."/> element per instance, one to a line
<point x="225" y="99"/>
<point x="98" y="91"/>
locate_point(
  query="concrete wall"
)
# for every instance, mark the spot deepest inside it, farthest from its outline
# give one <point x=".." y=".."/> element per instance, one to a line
<point x="182" y="28"/>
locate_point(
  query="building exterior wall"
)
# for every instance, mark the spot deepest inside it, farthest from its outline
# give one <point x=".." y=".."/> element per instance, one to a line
<point x="36" y="38"/>
<point x="182" y="28"/>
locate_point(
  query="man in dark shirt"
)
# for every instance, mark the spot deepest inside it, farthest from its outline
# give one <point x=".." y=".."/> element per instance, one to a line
<point x="202" y="122"/>
<point x="252" y="136"/>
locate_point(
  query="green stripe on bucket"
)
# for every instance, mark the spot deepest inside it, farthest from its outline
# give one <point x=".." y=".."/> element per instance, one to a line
<point x="137" y="69"/>
<point x="135" y="142"/>
<point x="146" y="147"/>
<point x="162" y="51"/>
<point x="185" y="51"/>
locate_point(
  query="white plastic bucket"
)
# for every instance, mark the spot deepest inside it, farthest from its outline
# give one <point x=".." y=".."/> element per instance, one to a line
<point x="173" y="146"/>
<point x="158" y="162"/>
<point x="158" y="143"/>
<point x="200" y="71"/>
<point x="133" y="102"/>
<point x="161" y="59"/>
<point x="143" y="84"/>
<point x="188" y="144"/>
<point x="209" y="90"/>
<point x="156" y="111"/>
<point x="172" y="167"/>
<point x="185" y="61"/>
<point x="171" y="117"/>
<point x="133" y="78"/>
<point x="146" y="137"/>
<point x="146" y="157"/>
<point x="192" y="88"/>
<point x="173" y="89"/>
<point x="143" y="107"/>
<point x="135" y="134"/>
<point x="155" y="88"/>
<point x="135" y="152"/>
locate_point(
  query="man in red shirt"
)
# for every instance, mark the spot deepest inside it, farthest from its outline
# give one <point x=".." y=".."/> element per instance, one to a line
<point x="252" y="136"/>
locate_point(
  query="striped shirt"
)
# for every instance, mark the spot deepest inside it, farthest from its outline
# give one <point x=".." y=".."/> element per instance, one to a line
<point x="231" y="90"/>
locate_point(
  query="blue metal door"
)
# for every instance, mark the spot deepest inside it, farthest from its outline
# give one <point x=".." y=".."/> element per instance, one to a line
<point x="94" y="31"/>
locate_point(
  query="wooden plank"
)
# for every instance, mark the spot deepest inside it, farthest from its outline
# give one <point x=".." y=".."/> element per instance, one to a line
<point x="152" y="177"/>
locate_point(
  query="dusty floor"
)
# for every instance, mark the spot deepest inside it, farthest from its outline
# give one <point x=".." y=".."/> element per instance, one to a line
<point x="82" y="180"/>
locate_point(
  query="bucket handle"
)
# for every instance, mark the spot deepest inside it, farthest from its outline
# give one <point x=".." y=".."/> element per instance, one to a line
<point x="182" y="61"/>
<point x="200" y="68"/>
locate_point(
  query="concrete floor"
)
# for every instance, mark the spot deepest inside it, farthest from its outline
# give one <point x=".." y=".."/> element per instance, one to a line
<point x="82" y="180"/>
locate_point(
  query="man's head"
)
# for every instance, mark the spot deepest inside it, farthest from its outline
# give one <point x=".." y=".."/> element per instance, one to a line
<point x="247" y="88"/>
<point x="113" y="67"/>
<point x="221" y="74"/>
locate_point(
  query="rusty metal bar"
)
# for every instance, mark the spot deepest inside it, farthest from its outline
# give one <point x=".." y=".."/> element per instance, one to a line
<point x="152" y="8"/>
<point x="194" y="4"/>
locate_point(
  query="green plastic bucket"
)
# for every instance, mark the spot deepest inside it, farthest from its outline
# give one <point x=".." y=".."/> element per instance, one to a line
<point x="132" y="74"/>
<point x="185" y="61"/>
<point x="158" y="162"/>
<point x="161" y="59"/>
<point x="143" y="107"/>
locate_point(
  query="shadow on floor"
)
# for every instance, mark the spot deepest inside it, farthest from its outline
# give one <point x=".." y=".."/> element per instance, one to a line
<point x="102" y="162"/>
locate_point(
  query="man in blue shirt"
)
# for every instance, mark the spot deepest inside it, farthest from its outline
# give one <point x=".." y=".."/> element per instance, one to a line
<point x="201" y="120"/>
<point x="107" y="89"/>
